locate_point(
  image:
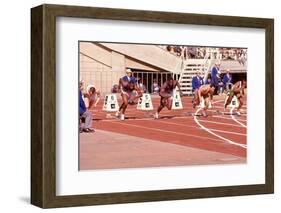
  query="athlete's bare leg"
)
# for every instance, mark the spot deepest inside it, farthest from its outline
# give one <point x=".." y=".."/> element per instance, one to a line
<point x="120" y="108"/>
<point x="240" y="100"/>
<point x="169" y="103"/>
<point x="195" y="101"/>
<point x="160" y="108"/>
<point x="117" y="114"/>
<point x="125" y="103"/>
<point x="163" y="103"/>
<point x="228" y="101"/>
<point x="207" y="102"/>
<point x="123" y="106"/>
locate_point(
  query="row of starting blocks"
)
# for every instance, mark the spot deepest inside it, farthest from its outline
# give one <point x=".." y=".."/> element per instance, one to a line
<point x="145" y="103"/>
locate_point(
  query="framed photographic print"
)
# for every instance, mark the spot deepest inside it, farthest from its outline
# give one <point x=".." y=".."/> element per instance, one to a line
<point x="137" y="106"/>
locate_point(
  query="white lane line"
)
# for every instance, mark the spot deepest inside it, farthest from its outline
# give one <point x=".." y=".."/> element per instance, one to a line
<point x="220" y="123"/>
<point x="224" y="139"/>
<point x="227" y="118"/>
<point x="244" y="107"/>
<point x="167" y="131"/>
<point x="243" y="125"/>
<point x="214" y="122"/>
<point x="114" y="119"/>
<point x="215" y="130"/>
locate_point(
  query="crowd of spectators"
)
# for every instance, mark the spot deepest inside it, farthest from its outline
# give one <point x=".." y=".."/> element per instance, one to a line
<point x="187" y="52"/>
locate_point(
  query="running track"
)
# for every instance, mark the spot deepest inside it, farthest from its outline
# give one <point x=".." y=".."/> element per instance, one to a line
<point x="220" y="132"/>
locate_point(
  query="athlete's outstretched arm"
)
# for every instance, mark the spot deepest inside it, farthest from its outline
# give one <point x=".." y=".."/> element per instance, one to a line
<point x="139" y="91"/>
<point x="199" y="93"/>
<point x="120" y="83"/>
<point x="236" y="88"/>
<point x="91" y="103"/>
<point x="243" y="90"/>
<point x="98" y="99"/>
<point x="211" y="96"/>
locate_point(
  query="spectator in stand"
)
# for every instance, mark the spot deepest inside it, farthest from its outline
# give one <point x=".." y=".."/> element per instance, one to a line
<point x="172" y="50"/>
<point x="215" y="72"/>
<point x="242" y="57"/>
<point x="191" y="52"/>
<point x="84" y="114"/>
<point x="184" y="53"/>
<point x="169" y="48"/>
<point x="227" y="80"/>
<point x="155" y="87"/>
<point x="177" y="50"/>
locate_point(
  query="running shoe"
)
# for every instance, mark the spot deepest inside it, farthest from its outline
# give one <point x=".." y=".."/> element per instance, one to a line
<point x="88" y="130"/>
<point x="117" y="114"/>
<point x="156" y="116"/>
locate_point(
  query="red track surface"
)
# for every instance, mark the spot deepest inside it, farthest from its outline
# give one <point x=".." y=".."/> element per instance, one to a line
<point x="179" y="127"/>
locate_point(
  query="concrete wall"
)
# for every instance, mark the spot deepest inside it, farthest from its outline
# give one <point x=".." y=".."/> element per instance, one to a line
<point x="98" y="74"/>
<point x="103" y="67"/>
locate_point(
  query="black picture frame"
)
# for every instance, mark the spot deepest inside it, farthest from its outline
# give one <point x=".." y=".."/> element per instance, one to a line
<point x="43" y="105"/>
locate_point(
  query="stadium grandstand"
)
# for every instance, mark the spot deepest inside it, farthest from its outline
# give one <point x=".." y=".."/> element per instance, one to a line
<point x="102" y="64"/>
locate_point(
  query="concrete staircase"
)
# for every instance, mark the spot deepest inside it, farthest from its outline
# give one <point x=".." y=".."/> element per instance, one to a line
<point x="191" y="66"/>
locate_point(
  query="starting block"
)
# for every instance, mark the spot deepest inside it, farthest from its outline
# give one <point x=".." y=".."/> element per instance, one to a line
<point x="234" y="102"/>
<point x="177" y="104"/>
<point x="110" y="103"/>
<point x="144" y="102"/>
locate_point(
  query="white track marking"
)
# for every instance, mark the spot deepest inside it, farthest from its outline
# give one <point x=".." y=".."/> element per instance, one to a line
<point x="243" y="125"/>
<point x="207" y="121"/>
<point x="215" y="130"/>
<point x="244" y="107"/>
<point x="220" y="123"/>
<point x="167" y="131"/>
<point x="172" y="118"/>
<point x="227" y="118"/>
<point x="224" y="139"/>
<point x="144" y="119"/>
